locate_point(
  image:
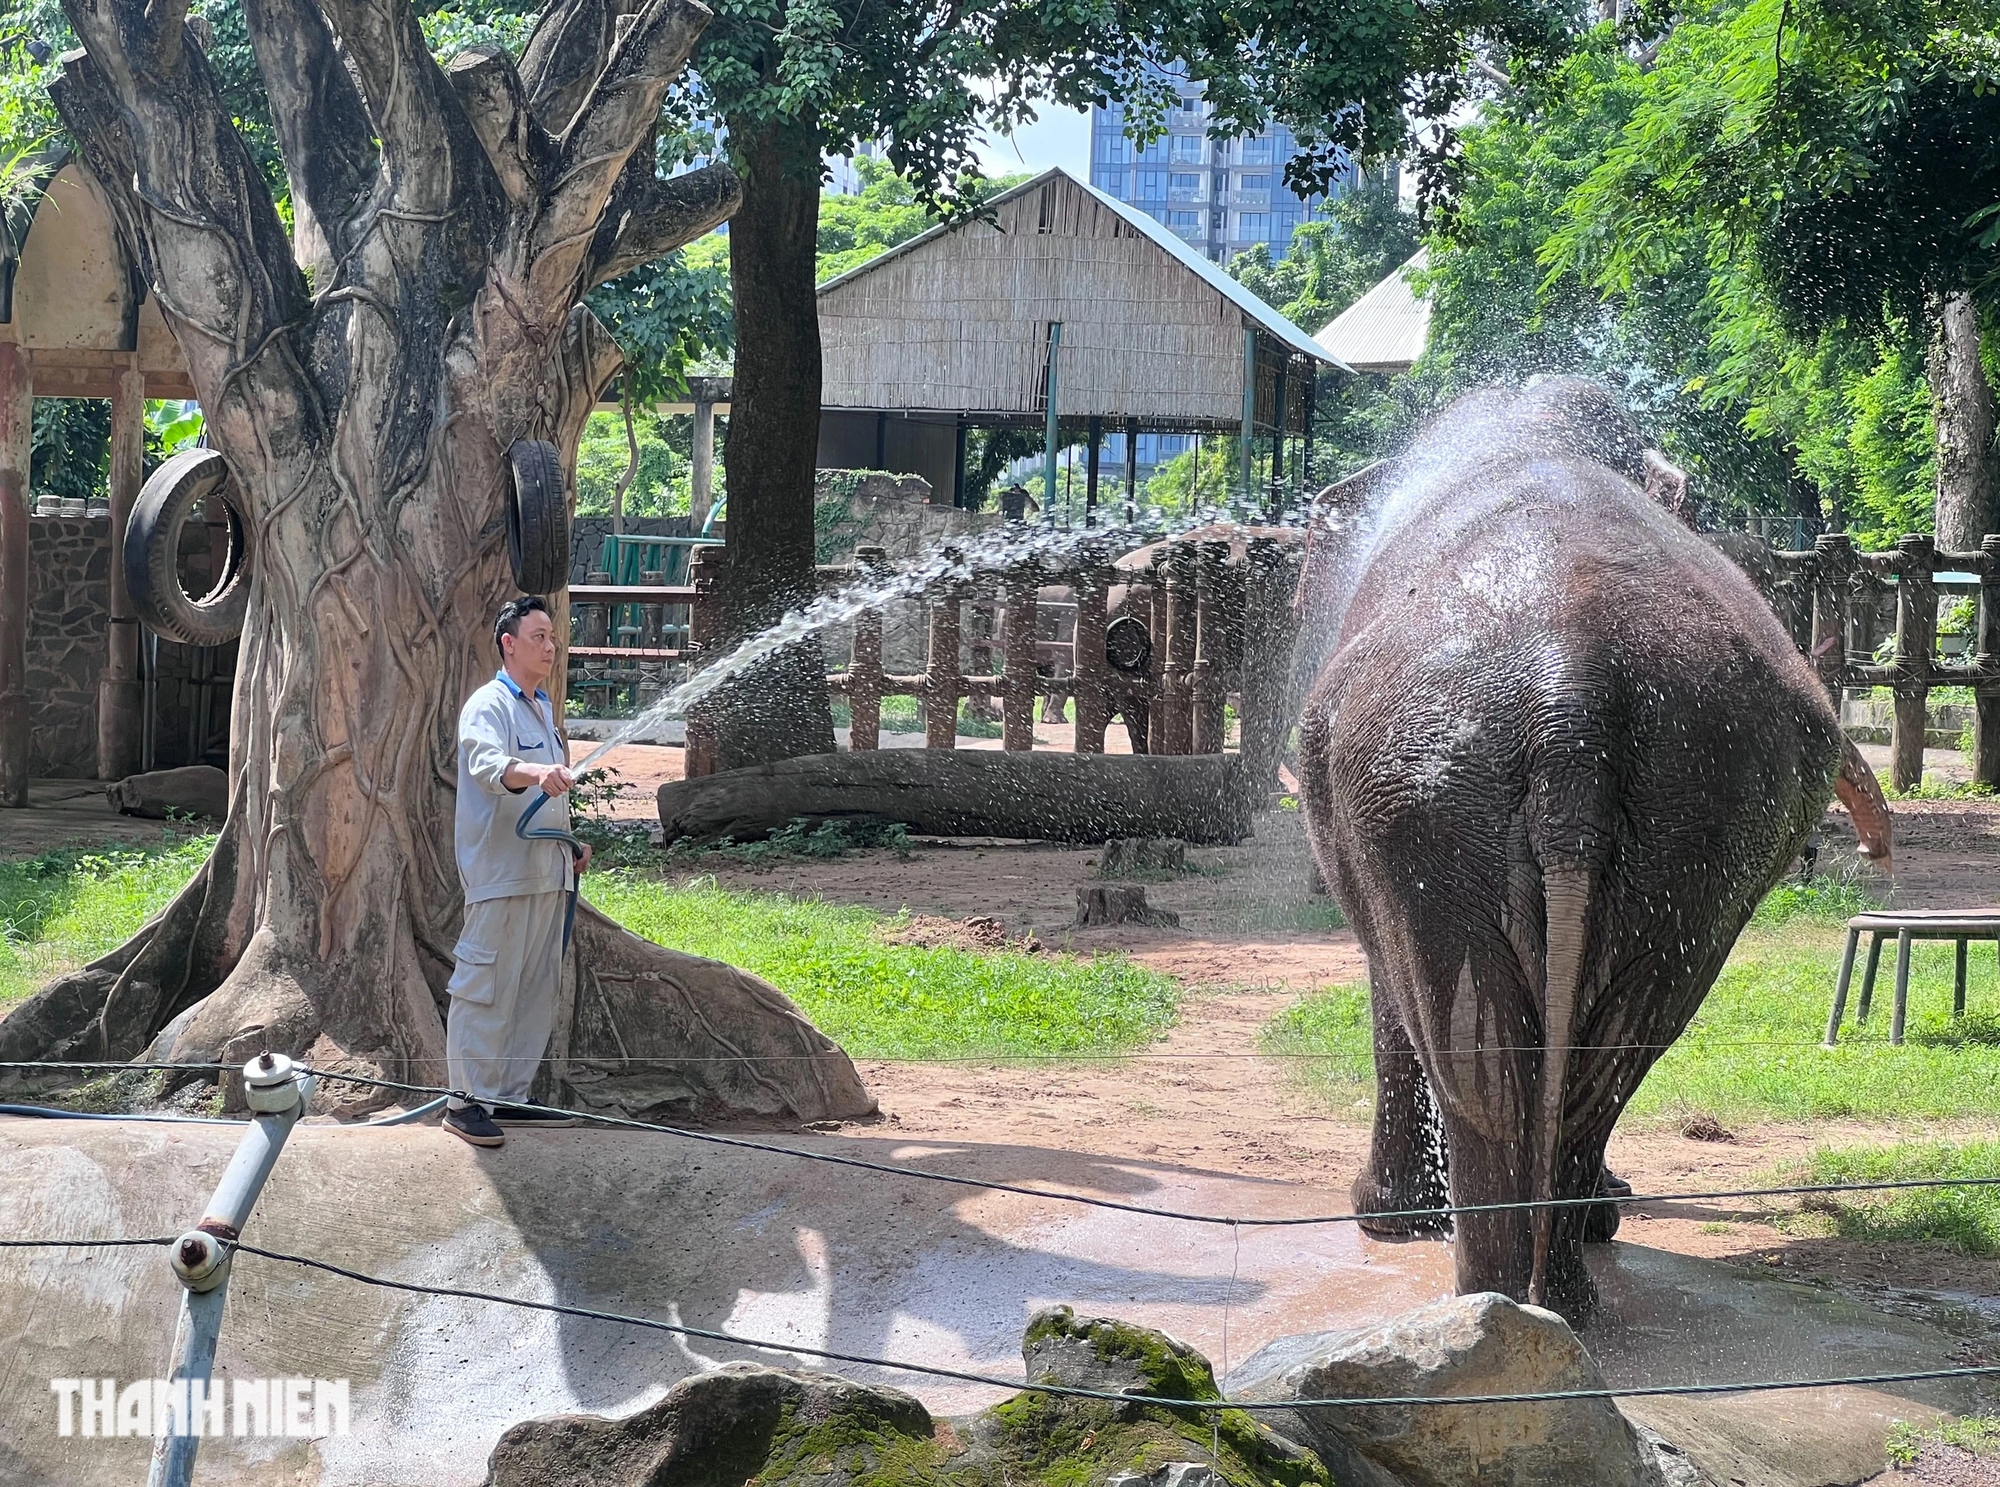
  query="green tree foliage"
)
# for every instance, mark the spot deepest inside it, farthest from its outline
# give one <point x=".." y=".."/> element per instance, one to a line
<point x="1826" y="169"/>
<point x="882" y="214"/>
<point x="660" y="473"/>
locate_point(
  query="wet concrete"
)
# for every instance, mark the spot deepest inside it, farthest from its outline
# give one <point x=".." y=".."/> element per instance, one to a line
<point x="802" y="1254"/>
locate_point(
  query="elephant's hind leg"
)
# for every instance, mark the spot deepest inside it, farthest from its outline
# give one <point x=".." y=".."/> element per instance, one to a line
<point x="1406" y="1155"/>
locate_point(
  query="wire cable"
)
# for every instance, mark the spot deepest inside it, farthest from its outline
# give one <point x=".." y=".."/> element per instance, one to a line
<point x="708" y="1334"/>
<point x="159" y="1241"/>
<point x="897" y="1169"/>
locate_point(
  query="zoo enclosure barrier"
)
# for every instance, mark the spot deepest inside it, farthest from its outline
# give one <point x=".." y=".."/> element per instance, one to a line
<point x="1164" y="638"/>
<point x="1832" y="595"/>
<point x="278" y="1093"/>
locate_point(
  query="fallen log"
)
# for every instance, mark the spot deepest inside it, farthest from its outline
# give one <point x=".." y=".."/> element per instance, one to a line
<point x="970" y="792"/>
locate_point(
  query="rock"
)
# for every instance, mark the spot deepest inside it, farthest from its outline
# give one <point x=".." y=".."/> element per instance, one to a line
<point x="738" y="1422"/>
<point x="746" y="1424"/>
<point x="194" y="790"/>
<point x="1125" y="857"/>
<point x="1480" y="1344"/>
<point x="1120" y="903"/>
<point x="1173" y="1474"/>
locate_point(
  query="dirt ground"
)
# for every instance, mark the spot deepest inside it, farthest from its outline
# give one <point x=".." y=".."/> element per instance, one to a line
<point x="1247" y="947"/>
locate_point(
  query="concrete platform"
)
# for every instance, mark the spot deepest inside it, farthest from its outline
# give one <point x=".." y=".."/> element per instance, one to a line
<point x="799" y="1253"/>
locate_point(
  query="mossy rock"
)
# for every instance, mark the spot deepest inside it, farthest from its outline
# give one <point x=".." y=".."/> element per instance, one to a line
<point x="748" y="1426"/>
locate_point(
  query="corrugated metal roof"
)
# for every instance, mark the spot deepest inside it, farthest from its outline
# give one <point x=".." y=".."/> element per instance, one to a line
<point x="1385" y="330"/>
<point x="1253" y="308"/>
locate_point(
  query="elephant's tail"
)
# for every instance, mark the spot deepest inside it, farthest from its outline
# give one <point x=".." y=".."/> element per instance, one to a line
<point x="1566" y="904"/>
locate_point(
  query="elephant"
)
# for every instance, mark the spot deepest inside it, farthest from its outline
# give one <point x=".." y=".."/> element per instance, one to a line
<point x="1556" y="751"/>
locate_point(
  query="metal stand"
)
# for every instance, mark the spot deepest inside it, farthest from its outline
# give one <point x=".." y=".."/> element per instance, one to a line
<point x="277" y="1093"/>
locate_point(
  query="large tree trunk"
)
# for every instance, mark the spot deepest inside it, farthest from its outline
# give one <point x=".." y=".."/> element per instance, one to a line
<point x="1962" y="401"/>
<point x="367" y="426"/>
<point x="779" y="710"/>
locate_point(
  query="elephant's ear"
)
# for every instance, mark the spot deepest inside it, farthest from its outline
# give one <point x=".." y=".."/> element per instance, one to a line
<point x="1861" y="793"/>
<point x="1667" y="483"/>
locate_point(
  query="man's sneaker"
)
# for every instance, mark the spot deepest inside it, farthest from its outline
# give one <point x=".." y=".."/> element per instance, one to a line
<point x="534" y="1113"/>
<point x="473" y="1124"/>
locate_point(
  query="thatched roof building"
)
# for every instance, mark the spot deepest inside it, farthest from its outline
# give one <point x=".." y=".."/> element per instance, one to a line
<point x="971" y="322"/>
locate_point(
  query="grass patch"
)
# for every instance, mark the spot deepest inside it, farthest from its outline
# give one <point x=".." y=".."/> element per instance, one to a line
<point x="798" y="841"/>
<point x="883" y="1000"/>
<point x="1977" y="1434"/>
<point x="64" y="908"/>
<point x="1963" y="1219"/>
<point x="1752" y="1052"/>
<point x="1329" y="1038"/>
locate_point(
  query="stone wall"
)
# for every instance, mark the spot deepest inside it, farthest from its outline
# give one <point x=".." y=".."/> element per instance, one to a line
<point x="69" y="614"/>
<point x="69" y="562"/>
<point x="876" y="508"/>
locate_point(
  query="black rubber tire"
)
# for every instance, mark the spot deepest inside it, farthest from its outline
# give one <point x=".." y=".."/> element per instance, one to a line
<point x="537" y="518"/>
<point x="151" y="550"/>
<point x="1128" y="645"/>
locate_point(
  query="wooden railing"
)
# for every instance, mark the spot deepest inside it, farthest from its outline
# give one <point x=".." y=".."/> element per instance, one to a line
<point x="1165" y="646"/>
<point x="1834" y="596"/>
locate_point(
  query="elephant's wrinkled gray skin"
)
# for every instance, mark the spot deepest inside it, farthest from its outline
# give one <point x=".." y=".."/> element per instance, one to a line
<point x="1559" y="752"/>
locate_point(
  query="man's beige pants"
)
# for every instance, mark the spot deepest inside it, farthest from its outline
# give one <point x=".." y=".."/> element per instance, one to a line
<point x="503" y="996"/>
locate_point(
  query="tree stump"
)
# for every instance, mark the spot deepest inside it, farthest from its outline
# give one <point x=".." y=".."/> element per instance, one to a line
<point x="1119" y="903"/>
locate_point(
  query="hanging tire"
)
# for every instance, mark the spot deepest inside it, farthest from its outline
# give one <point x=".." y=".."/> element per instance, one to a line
<point x="151" y="552"/>
<point x="537" y="518"/>
<point x="1128" y="645"/>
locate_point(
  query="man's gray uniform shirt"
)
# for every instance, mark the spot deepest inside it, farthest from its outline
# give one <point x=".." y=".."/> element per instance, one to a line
<point x="500" y="726"/>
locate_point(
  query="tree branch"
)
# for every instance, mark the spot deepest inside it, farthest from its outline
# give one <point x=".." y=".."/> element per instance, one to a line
<point x="147" y="115"/>
<point x="649" y="217"/>
<point x="427" y="148"/>
<point x="323" y="128"/>
<point x="496" y="105"/>
<point x="571" y="43"/>
<point x="617" y="114"/>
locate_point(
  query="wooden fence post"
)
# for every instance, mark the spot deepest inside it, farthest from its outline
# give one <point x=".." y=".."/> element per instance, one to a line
<point x="1986" y="667"/>
<point x="864" y="670"/>
<point x="1093" y="671"/>
<point x="1017" y="697"/>
<point x="1834" y="556"/>
<point x="941" y="668"/>
<point x="1176" y="683"/>
<point x="1916" y="627"/>
<point x="1209" y="689"/>
<point x="1269" y="578"/>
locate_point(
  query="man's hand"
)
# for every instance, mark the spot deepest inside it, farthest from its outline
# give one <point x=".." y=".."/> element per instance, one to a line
<point x="582" y="857"/>
<point x="550" y="779"/>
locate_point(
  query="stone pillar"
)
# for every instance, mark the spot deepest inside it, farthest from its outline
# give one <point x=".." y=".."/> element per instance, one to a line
<point x="17" y="405"/>
<point x="701" y="474"/>
<point x="120" y="692"/>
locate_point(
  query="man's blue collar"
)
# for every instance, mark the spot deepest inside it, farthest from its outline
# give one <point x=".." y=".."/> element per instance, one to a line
<point x="515" y="687"/>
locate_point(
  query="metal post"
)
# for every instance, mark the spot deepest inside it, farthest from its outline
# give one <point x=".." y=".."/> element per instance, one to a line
<point x="1049" y="433"/>
<point x="1090" y="477"/>
<point x="1306" y="455"/>
<point x="277" y="1093"/>
<point x="1131" y="471"/>
<point x="958" y="465"/>
<point x="1245" y="452"/>
<point x="1275" y="502"/>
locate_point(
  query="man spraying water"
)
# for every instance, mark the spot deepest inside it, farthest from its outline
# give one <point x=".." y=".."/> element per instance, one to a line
<point x="517" y="886"/>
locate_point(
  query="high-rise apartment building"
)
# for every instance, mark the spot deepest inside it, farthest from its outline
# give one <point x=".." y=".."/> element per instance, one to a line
<point x="1220" y="196"/>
